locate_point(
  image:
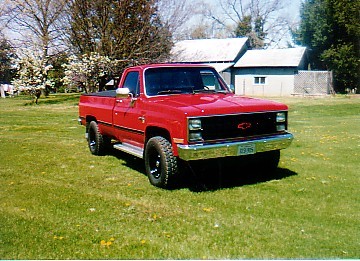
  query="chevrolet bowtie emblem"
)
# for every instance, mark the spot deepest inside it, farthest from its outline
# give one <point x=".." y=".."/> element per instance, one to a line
<point x="244" y="125"/>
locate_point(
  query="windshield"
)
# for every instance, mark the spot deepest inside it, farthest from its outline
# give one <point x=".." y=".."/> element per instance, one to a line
<point x="170" y="80"/>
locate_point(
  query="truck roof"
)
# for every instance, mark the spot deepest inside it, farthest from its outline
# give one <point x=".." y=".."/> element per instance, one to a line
<point x="161" y="65"/>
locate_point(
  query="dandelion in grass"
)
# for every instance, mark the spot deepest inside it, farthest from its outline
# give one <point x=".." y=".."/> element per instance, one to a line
<point x="167" y="234"/>
<point x="208" y="209"/>
<point x="105" y="243"/>
<point x="153" y="218"/>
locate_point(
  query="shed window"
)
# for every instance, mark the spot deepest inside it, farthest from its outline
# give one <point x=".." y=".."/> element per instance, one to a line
<point x="259" y="80"/>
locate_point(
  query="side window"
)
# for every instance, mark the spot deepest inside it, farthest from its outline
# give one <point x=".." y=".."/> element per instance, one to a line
<point x="132" y="82"/>
<point x="260" y="80"/>
<point x="209" y="80"/>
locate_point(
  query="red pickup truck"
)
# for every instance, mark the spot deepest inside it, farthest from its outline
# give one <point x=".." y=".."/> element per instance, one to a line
<point x="164" y="113"/>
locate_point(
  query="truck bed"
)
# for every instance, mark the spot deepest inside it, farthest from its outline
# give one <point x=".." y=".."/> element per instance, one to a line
<point x="110" y="93"/>
<point x="98" y="107"/>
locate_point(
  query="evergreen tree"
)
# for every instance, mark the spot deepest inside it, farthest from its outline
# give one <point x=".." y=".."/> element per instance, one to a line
<point x="261" y="21"/>
<point x="6" y="54"/>
<point x="331" y="31"/>
<point x="243" y="27"/>
<point x="255" y="33"/>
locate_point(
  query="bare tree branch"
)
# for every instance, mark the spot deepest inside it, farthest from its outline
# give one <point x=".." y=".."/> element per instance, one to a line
<point x="38" y="17"/>
<point x="266" y="19"/>
<point x="176" y="14"/>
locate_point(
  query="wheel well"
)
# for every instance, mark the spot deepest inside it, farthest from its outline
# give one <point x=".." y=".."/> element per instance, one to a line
<point x="156" y="131"/>
<point x="88" y="120"/>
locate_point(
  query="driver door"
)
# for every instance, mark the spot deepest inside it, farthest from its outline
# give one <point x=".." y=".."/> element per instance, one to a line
<point x="127" y="118"/>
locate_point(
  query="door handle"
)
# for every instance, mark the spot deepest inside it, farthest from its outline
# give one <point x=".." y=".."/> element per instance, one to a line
<point x="142" y="119"/>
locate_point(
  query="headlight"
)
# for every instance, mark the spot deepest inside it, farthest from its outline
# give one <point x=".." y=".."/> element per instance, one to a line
<point x="195" y="136"/>
<point x="195" y="129"/>
<point x="281" y="117"/>
<point x="281" y="127"/>
<point x="194" y="124"/>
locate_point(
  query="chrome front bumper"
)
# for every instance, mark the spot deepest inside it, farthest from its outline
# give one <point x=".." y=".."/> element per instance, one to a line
<point x="201" y="151"/>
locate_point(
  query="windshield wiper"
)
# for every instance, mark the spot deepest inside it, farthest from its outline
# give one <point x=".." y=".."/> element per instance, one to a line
<point x="210" y="91"/>
<point x="169" y="91"/>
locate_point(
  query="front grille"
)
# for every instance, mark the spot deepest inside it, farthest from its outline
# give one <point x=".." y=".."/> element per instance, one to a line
<point x="238" y="126"/>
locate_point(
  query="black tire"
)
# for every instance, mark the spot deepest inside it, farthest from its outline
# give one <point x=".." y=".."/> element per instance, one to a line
<point x="96" y="141"/>
<point x="160" y="162"/>
<point x="269" y="161"/>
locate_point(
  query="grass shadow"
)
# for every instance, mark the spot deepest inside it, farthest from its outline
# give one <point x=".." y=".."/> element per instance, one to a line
<point x="224" y="177"/>
<point x="131" y="161"/>
<point x="212" y="175"/>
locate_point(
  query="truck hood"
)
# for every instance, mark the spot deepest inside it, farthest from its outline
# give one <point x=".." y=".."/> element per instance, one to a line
<point x="210" y="104"/>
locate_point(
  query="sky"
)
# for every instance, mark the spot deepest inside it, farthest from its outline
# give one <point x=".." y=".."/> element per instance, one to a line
<point x="292" y="5"/>
<point x="291" y="11"/>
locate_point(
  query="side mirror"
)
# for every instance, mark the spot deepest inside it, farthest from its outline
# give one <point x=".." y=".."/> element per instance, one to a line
<point x="122" y="92"/>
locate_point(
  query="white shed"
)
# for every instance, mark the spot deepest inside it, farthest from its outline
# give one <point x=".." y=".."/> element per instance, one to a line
<point x="268" y="72"/>
<point x="222" y="54"/>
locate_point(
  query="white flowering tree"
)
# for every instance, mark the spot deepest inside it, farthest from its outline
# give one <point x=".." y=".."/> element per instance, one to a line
<point x="32" y="75"/>
<point x="87" y="70"/>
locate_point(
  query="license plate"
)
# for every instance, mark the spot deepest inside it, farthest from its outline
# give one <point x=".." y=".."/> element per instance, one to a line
<point x="246" y="149"/>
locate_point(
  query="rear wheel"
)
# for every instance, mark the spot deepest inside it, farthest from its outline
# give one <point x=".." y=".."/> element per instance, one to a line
<point x="96" y="141"/>
<point x="160" y="162"/>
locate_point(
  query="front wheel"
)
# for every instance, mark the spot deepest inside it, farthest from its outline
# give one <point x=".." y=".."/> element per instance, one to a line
<point x="160" y="162"/>
<point x="269" y="161"/>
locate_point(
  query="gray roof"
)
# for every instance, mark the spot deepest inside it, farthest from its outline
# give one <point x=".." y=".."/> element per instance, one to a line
<point x="220" y="67"/>
<point x="208" y="50"/>
<point x="290" y="57"/>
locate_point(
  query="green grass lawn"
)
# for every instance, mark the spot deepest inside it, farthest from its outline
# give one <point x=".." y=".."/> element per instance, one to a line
<point x="57" y="201"/>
